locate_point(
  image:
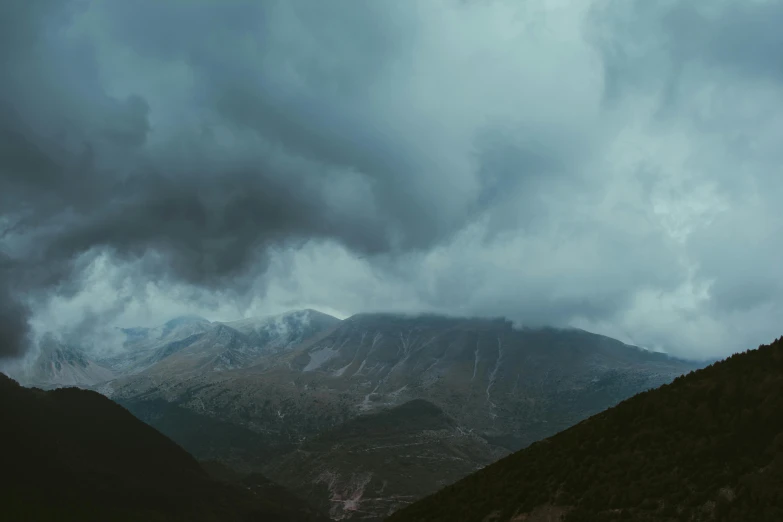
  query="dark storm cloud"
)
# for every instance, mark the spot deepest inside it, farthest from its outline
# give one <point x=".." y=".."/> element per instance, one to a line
<point x="647" y="43"/>
<point x="80" y="177"/>
<point x="744" y="36"/>
<point x="553" y="162"/>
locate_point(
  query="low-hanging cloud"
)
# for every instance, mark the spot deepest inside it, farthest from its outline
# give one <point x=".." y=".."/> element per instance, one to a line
<point x="611" y="165"/>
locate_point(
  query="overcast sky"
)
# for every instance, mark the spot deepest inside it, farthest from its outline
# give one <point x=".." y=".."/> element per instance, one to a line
<point x="615" y="165"/>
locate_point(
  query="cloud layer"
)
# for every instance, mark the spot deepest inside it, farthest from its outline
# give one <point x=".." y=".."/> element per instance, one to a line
<point x="613" y="165"/>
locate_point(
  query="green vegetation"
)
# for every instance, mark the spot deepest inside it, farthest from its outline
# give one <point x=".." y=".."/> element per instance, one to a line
<point x="71" y="454"/>
<point x="708" y="446"/>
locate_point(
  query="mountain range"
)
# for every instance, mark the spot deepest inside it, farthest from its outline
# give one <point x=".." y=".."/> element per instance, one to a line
<point x="707" y="446"/>
<point x="274" y="395"/>
<point x="193" y="344"/>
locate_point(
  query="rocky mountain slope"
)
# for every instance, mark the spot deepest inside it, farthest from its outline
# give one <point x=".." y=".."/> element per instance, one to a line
<point x="58" y="364"/>
<point x="282" y="332"/>
<point x="71" y="454"/>
<point x="517" y="384"/>
<point x="708" y="446"/>
<point x="189" y="344"/>
<point x="374" y="464"/>
<point x="508" y="387"/>
<point x="143" y="347"/>
<point x="218" y="349"/>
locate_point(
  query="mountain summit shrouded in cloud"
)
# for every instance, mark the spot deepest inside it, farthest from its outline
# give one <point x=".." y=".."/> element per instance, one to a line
<point x="610" y="165"/>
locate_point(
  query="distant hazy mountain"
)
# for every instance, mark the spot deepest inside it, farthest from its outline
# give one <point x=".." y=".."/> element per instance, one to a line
<point x="506" y="386"/>
<point x="144" y="347"/>
<point x="707" y="447"/>
<point x="284" y="331"/>
<point x="193" y="344"/>
<point x="173" y="330"/>
<point x="58" y="364"/>
<point x="71" y="454"/>
<point x="220" y="348"/>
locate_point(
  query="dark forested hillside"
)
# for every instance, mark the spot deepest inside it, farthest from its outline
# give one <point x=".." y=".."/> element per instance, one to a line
<point x="708" y="446"/>
<point x="71" y="454"/>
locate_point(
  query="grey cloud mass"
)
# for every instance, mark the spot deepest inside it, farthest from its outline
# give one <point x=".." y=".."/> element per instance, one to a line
<point x="611" y="165"/>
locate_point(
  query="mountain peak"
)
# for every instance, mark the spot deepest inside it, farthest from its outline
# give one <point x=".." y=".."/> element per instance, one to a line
<point x="181" y="322"/>
<point x="221" y="329"/>
<point x="60" y="364"/>
<point x="305" y="312"/>
<point x="185" y="319"/>
<point x="429" y="320"/>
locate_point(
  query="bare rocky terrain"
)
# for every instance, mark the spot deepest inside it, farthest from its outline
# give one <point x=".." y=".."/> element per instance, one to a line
<point x="59" y="364"/>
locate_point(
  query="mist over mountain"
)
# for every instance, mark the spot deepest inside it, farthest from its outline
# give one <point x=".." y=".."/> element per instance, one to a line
<point x="59" y="364"/>
<point x="285" y="330"/>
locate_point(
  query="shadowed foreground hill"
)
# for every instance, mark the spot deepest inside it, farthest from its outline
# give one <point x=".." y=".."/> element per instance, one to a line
<point x="708" y="446"/>
<point x="72" y="454"/>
